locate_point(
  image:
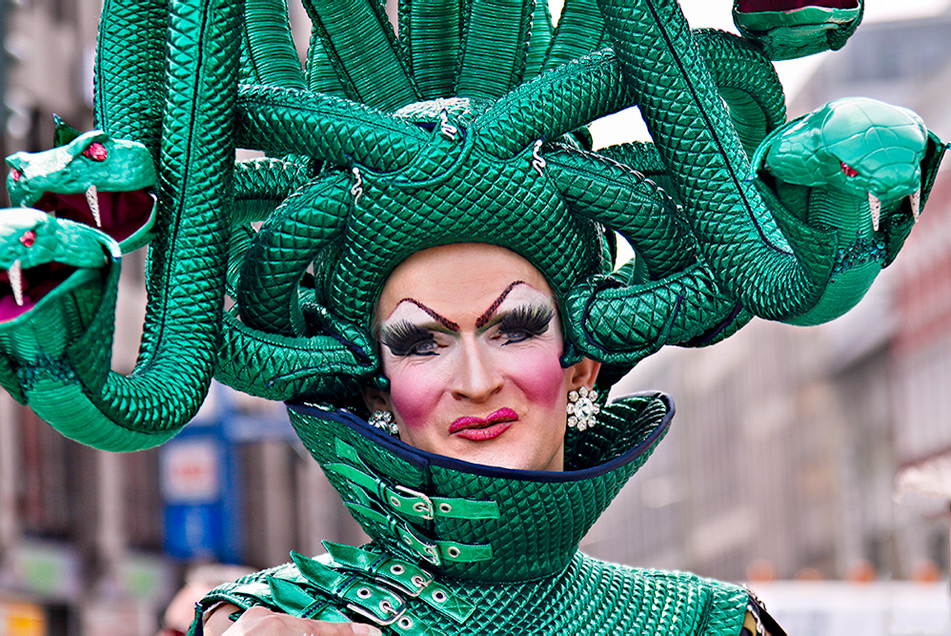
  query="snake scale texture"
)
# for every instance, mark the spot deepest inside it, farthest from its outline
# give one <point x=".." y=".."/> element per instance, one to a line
<point x="465" y="123"/>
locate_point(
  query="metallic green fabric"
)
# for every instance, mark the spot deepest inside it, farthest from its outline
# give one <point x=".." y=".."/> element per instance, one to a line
<point x="467" y="125"/>
<point x="541" y="549"/>
<point x="588" y="597"/>
<point x="465" y="549"/>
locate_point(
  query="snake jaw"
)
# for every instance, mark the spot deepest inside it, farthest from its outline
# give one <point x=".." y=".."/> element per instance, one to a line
<point x="118" y="214"/>
<point x="29" y="286"/>
<point x="875" y="207"/>
<point x="39" y="256"/>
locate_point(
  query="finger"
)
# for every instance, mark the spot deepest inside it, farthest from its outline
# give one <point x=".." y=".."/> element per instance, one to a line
<point x="262" y="621"/>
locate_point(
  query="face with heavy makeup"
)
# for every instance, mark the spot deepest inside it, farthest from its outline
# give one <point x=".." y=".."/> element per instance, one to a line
<point x="470" y="340"/>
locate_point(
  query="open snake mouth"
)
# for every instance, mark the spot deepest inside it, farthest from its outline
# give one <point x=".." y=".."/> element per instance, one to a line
<point x="21" y="289"/>
<point x="118" y="214"/>
<point x="755" y="6"/>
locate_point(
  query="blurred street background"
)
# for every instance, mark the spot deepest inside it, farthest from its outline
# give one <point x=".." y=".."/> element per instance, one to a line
<point x="813" y="463"/>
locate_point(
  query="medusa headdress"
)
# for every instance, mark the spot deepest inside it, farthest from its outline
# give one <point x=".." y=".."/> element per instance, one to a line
<point x="467" y="126"/>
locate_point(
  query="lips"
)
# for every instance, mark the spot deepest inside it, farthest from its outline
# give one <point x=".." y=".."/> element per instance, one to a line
<point x="480" y="429"/>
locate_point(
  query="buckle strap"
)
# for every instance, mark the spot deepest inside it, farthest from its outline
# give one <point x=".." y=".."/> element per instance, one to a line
<point x="435" y="552"/>
<point x="408" y="578"/>
<point x="377" y="604"/>
<point x="409" y="624"/>
<point x="463" y="552"/>
<point x="404" y="576"/>
<point x="371" y="601"/>
<point x="291" y="599"/>
<point x="412" y="503"/>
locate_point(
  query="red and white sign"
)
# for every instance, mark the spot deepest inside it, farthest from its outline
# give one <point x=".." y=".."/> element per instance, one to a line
<point x="191" y="472"/>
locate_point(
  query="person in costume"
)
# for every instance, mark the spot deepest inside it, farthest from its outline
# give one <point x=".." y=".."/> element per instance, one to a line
<point x="390" y="158"/>
<point x="471" y="344"/>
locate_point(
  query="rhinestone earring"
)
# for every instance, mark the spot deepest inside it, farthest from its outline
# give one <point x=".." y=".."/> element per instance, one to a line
<point x="582" y="408"/>
<point x="384" y="421"/>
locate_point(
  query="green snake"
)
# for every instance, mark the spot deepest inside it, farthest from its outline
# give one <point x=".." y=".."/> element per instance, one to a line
<point x="732" y="212"/>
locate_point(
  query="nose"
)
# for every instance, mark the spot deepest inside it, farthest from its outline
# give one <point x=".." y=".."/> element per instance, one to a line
<point x="477" y="378"/>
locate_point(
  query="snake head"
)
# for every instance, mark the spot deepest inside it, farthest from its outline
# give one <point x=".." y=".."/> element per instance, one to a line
<point x="40" y="254"/>
<point x="787" y="29"/>
<point x="93" y="179"/>
<point x="856" y="146"/>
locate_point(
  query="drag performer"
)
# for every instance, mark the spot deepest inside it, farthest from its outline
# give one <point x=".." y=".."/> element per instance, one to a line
<point x="432" y="290"/>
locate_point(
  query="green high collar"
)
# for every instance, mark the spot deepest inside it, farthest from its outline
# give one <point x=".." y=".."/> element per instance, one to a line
<point x="461" y="548"/>
<point x="475" y="522"/>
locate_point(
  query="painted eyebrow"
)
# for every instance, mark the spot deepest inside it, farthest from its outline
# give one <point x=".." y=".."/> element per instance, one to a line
<point x="442" y="320"/>
<point x="485" y="317"/>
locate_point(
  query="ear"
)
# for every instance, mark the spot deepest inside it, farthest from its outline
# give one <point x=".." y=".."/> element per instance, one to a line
<point x="584" y="373"/>
<point x="376" y="399"/>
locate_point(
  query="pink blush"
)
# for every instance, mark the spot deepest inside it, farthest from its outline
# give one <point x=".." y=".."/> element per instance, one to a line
<point x="539" y="375"/>
<point x="416" y="398"/>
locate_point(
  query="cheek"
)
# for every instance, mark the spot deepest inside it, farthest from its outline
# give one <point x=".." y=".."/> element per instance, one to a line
<point x="539" y="374"/>
<point x="415" y="393"/>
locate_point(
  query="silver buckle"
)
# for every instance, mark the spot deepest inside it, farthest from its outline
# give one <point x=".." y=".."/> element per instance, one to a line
<point x="362" y="611"/>
<point x="428" y="551"/>
<point x="424" y="506"/>
<point x="421" y="581"/>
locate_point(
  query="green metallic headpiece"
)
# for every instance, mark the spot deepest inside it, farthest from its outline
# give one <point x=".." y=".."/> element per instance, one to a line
<point x="458" y="178"/>
<point x="467" y="125"/>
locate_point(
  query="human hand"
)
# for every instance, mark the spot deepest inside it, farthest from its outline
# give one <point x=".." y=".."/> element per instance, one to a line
<point x="262" y="621"/>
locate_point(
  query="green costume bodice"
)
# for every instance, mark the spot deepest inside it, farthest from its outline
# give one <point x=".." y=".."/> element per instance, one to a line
<point x="461" y="548"/>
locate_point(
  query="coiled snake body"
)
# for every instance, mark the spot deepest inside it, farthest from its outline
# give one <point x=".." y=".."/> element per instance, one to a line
<point x="731" y="211"/>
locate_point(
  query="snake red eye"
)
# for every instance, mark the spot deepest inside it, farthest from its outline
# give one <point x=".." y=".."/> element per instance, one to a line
<point x="96" y="151"/>
<point x="15" y="174"/>
<point x="28" y="239"/>
<point x="849" y="171"/>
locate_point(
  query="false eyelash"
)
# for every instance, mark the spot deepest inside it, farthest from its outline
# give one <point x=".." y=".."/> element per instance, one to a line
<point x="403" y="337"/>
<point x="531" y="319"/>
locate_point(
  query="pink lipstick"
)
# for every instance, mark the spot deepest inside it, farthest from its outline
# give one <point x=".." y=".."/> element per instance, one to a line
<point x="478" y="429"/>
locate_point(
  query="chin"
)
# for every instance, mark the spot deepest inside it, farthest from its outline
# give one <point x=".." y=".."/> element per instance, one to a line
<point x="498" y="459"/>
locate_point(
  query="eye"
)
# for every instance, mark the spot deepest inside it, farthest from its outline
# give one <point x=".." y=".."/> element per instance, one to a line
<point x="15" y="174"/>
<point x="96" y="151"/>
<point x="523" y="323"/>
<point x="406" y="339"/>
<point x="424" y="348"/>
<point x="849" y="171"/>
